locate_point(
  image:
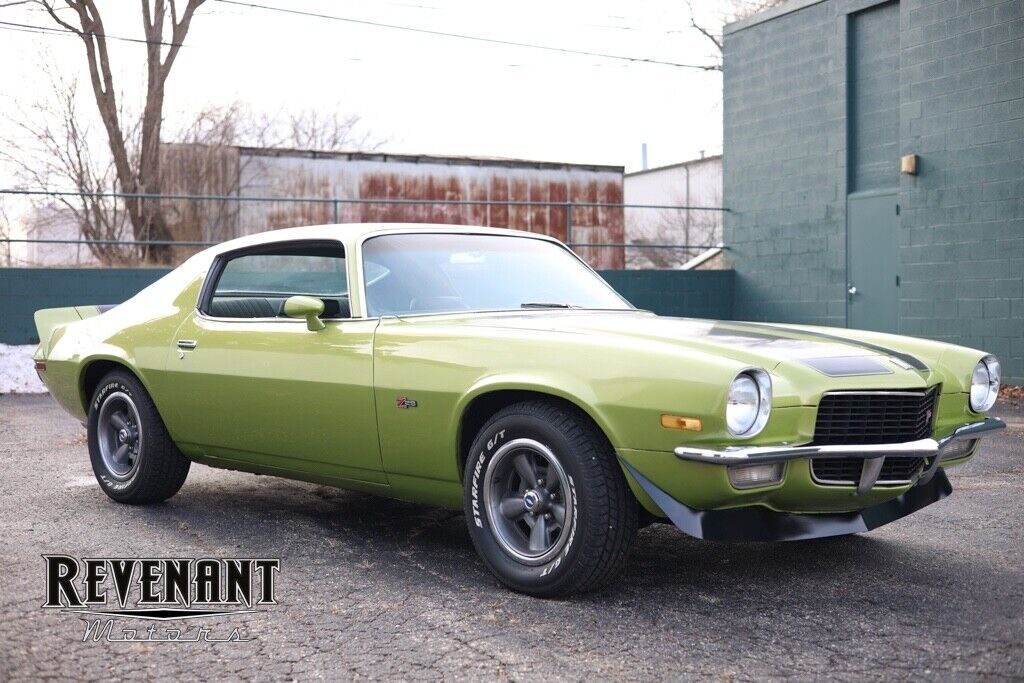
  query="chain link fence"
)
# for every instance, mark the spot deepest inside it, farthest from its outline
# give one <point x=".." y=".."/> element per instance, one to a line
<point x="102" y="229"/>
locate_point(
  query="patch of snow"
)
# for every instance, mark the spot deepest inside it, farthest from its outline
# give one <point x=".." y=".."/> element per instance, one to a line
<point x="18" y="371"/>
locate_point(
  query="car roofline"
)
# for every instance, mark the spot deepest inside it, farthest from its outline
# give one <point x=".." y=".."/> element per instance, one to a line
<point x="356" y="233"/>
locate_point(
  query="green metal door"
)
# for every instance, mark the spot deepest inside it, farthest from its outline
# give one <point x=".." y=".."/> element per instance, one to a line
<point x="872" y="227"/>
<point x="872" y="224"/>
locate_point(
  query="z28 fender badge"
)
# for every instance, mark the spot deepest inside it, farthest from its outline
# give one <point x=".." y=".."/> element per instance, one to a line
<point x="405" y="402"/>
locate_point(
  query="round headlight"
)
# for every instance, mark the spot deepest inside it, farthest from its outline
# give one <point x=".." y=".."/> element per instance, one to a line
<point x="749" y="403"/>
<point x="985" y="384"/>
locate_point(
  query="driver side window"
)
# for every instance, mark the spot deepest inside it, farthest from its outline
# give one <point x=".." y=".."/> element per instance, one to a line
<point x="255" y="283"/>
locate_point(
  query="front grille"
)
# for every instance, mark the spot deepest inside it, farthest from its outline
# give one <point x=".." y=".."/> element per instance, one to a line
<point x="846" y="471"/>
<point x="863" y="417"/>
<point x="871" y="418"/>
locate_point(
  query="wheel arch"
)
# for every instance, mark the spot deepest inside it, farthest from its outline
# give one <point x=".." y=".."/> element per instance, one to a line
<point x="96" y="368"/>
<point x="478" y="405"/>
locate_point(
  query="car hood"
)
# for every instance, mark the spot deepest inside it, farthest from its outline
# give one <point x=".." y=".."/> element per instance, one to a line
<point x="824" y="350"/>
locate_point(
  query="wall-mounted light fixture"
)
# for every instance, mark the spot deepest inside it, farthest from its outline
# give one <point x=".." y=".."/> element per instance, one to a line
<point x="908" y="164"/>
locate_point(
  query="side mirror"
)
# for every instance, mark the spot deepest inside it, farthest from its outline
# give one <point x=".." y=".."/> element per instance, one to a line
<point x="306" y="307"/>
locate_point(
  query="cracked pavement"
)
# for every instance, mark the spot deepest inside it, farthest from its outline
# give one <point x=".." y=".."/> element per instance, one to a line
<point x="374" y="588"/>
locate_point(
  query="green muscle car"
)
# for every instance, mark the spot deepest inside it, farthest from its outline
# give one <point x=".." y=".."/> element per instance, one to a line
<point x="493" y="371"/>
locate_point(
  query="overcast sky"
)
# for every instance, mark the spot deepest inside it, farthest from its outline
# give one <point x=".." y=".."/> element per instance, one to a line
<point x="424" y="93"/>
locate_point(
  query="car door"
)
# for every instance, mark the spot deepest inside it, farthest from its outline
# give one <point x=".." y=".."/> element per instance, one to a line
<point x="251" y="385"/>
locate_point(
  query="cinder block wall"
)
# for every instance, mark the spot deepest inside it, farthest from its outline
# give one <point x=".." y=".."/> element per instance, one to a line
<point x="961" y="236"/>
<point x="784" y="167"/>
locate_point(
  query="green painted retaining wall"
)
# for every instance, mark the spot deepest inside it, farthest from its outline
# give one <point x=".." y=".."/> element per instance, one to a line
<point x="698" y="293"/>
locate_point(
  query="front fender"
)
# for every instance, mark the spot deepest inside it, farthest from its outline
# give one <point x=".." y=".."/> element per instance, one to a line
<point x="567" y="387"/>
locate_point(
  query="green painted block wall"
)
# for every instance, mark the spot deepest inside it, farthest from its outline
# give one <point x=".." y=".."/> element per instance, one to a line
<point x="961" y="110"/>
<point x="699" y="294"/>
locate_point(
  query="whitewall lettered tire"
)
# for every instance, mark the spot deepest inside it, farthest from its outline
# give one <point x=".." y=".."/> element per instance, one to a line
<point x="546" y="503"/>
<point x="133" y="456"/>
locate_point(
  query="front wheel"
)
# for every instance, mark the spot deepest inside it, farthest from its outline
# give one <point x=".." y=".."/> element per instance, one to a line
<point x="547" y="507"/>
<point x="133" y="456"/>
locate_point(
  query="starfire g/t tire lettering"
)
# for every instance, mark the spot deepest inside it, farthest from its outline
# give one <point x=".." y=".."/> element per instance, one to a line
<point x="547" y="507"/>
<point x="132" y="454"/>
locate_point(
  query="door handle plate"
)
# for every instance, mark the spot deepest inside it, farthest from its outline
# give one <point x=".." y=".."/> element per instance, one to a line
<point x="187" y="344"/>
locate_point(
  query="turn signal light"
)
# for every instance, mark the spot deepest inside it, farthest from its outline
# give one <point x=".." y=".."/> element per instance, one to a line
<point x="960" y="448"/>
<point x="752" y="476"/>
<point x="690" y="424"/>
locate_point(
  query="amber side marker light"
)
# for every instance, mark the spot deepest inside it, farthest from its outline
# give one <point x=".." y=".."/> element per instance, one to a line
<point x="690" y="424"/>
<point x="40" y="366"/>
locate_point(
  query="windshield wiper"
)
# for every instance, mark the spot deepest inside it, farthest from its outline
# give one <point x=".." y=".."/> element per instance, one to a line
<point x="544" y="304"/>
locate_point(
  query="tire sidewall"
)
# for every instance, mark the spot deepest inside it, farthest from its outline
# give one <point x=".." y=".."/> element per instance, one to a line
<point x="114" y="487"/>
<point x="530" y="578"/>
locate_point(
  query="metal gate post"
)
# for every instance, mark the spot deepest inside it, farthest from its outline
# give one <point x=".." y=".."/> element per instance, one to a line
<point x="568" y="224"/>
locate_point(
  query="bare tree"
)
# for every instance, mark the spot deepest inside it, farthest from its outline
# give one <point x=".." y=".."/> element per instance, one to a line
<point x="52" y="146"/>
<point x="310" y="129"/>
<point x="732" y="10"/>
<point x="5" y="233"/>
<point x="137" y="171"/>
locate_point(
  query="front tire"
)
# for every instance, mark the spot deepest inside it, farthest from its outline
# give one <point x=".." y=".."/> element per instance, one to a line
<point x="546" y="504"/>
<point x="133" y="457"/>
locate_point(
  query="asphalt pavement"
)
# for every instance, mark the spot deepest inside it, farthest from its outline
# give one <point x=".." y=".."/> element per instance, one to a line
<point x="374" y="588"/>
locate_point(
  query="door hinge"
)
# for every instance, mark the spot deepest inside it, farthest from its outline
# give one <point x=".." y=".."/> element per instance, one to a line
<point x="897" y="209"/>
<point x="897" y="280"/>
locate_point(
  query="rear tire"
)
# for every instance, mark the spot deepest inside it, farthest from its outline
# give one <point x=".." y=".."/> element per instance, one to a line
<point x="133" y="457"/>
<point x="545" y="463"/>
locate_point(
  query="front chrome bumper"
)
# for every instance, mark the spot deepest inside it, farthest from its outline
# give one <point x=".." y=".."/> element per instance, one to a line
<point x="873" y="454"/>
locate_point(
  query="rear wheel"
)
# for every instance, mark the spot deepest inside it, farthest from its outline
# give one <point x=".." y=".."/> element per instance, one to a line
<point x="547" y="507"/>
<point x="133" y="456"/>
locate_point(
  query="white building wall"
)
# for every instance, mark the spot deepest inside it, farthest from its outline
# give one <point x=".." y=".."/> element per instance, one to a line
<point x="692" y="183"/>
<point x="50" y="222"/>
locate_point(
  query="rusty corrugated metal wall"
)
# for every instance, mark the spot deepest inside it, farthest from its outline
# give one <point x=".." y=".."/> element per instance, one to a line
<point x="379" y="176"/>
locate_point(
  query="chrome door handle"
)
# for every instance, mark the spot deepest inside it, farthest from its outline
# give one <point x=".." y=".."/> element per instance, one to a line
<point x="852" y="291"/>
<point x="187" y="343"/>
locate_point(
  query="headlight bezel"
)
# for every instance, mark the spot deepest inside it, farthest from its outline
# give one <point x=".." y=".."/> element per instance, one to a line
<point x="762" y="410"/>
<point x="989" y="384"/>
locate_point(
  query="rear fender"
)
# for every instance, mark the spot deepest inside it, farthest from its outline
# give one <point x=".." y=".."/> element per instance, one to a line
<point x="50" y="323"/>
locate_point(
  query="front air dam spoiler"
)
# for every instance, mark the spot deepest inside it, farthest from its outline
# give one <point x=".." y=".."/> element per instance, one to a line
<point x="758" y="523"/>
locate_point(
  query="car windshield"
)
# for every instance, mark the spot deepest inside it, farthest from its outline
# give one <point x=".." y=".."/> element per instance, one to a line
<point x="416" y="273"/>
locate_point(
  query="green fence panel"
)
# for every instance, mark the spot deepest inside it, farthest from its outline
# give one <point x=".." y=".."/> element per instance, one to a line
<point x="23" y="291"/>
<point x="684" y="293"/>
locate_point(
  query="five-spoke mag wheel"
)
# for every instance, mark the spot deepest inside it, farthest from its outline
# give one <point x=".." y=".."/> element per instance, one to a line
<point x="528" y="500"/>
<point x="546" y="502"/>
<point x="133" y="456"/>
<point x="118" y="436"/>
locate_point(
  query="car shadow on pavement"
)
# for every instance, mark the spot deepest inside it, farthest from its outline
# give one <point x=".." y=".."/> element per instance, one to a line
<point x="414" y="544"/>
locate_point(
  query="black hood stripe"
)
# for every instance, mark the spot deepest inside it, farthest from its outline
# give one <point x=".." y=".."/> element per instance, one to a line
<point x="905" y="357"/>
